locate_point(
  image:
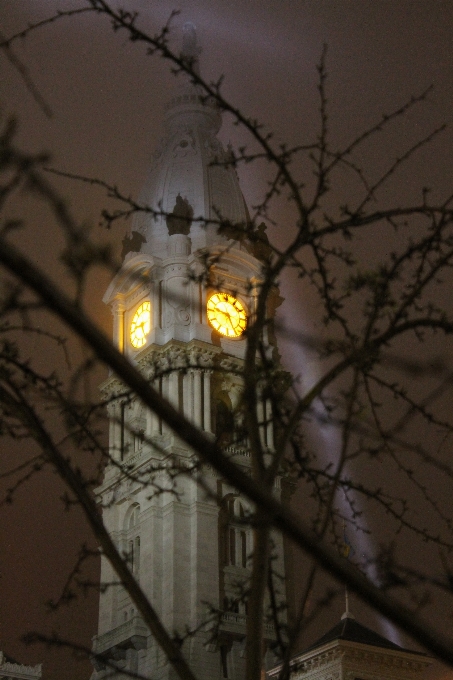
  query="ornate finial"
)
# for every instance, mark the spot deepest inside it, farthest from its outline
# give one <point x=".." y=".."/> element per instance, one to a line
<point x="347" y="614"/>
<point x="190" y="49"/>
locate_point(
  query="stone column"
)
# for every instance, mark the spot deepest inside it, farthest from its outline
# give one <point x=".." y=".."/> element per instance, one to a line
<point x="207" y="400"/>
<point x="173" y="389"/>
<point x="197" y="414"/>
<point x="179" y="245"/>
<point x="118" y="323"/>
<point x="202" y="303"/>
<point x="113" y="412"/>
<point x="187" y="391"/>
<point x="155" y="305"/>
<point x="152" y="421"/>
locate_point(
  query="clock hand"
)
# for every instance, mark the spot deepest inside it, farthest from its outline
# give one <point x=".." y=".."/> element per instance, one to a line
<point x="231" y="323"/>
<point x="142" y="325"/>
<point x="223" y="313"/>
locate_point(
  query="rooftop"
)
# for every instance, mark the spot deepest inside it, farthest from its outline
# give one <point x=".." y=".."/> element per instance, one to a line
<point x="349" y="629"/>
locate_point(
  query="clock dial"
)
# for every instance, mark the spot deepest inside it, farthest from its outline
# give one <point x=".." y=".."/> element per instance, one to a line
<point x="141" y="325"/>
<point x="226" y="315"/>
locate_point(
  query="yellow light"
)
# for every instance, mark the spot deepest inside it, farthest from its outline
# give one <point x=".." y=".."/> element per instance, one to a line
<point x="141" y="325"/>
<point x="226" y="315"/>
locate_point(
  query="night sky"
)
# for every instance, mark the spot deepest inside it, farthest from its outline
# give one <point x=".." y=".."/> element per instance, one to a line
<point x="107" y="98"/>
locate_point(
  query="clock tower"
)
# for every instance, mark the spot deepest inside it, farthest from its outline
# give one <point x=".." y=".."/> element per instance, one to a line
<point x="181" y="304"/>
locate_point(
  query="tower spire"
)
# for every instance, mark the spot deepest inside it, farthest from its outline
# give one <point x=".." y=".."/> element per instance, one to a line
<point x="190" y="49"/>
<point x="190" y="162"/>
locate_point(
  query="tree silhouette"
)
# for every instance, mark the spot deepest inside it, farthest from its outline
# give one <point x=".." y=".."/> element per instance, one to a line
<point x="375" y="396"/>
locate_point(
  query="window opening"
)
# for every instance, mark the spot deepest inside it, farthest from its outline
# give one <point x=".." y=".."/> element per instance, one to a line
<point x="224" y="424"/>
<point x="243" y="549"/>
<point x="133" y="540"/>
<point x="232" y="546"/>
<point x="235" y="535"/>
<point x="137" y="554"/>
<point x="138" y="440"/>
<point x="224" y="660"/>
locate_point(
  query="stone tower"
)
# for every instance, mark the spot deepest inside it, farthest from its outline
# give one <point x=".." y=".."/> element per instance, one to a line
<point x="187" y="544"/>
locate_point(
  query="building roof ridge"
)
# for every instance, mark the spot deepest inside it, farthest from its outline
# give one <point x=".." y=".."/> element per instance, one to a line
<point x="350" y="630"/>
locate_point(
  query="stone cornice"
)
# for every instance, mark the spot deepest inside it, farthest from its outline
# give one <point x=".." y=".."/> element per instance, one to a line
<point x="174" y="354"/>
<point x="376" y="662"/>
<point x="15" y="670"/>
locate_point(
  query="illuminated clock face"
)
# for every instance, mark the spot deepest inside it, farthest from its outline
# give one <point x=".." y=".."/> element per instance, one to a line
<point x="226" y="315"/>
<point x="141" y="325"/>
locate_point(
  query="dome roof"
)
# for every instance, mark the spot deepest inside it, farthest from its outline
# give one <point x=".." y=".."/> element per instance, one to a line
<point x="190" y="176"/>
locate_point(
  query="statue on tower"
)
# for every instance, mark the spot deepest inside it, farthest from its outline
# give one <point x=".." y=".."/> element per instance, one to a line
<point x="179" y="221"/>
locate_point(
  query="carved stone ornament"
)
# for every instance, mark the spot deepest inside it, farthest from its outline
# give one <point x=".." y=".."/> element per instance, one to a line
<point x="132" y="243"/>
<point x="185" y="146"/>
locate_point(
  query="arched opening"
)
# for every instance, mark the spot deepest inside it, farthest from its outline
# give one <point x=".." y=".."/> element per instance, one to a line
<point x="228" y="421"/>
<point x="224" y="421"/>
<point x="132" y="538"/>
